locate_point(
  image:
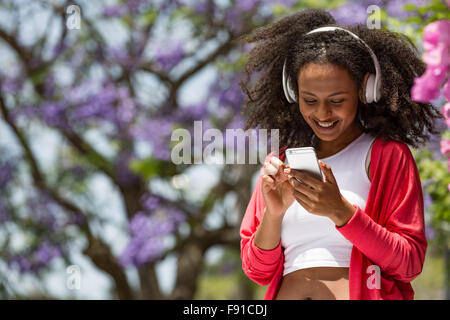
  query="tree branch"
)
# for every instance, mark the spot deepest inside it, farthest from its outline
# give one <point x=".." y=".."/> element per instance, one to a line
<point x="97" y="250"/>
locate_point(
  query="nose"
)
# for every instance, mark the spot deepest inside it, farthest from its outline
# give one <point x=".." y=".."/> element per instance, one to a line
<point x="323" y="112"/>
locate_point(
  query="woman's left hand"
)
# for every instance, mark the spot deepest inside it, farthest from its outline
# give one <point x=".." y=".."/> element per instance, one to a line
<point x="321" y="197"/>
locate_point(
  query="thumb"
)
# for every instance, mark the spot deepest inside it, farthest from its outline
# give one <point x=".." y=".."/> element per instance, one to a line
<point x="326" y="169"/>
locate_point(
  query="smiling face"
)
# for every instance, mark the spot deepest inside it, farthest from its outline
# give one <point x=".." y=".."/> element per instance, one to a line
<point x="327" y="93"/>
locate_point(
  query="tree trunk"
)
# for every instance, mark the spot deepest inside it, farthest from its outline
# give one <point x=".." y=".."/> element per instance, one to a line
<point x="190" y="262"/>
<point x="149" y="283"/>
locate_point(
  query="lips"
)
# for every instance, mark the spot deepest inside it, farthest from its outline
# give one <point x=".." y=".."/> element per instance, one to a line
<point x="326" y="128"/>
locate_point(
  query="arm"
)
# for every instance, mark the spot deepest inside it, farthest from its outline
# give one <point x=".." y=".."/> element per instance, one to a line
<point x="258" y="264"/>
<point x="398" y="246"/>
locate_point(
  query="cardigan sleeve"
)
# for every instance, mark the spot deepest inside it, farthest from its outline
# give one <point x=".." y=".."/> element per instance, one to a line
<point x="258" y="264"/>
<point x="398" y="246"/>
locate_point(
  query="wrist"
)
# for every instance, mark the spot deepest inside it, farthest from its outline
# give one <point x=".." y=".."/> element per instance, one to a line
<point x="343" y="216"/>
<point x="274" y="217"/>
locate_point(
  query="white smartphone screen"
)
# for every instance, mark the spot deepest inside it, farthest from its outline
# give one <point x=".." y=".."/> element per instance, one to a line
<point x="305" y="159"/>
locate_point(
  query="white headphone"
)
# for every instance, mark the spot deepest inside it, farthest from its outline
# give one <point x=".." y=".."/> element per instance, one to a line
<point x="373" y="84"/>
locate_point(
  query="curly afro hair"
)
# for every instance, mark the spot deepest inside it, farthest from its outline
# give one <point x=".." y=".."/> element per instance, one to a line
<point x="394" y="117"/>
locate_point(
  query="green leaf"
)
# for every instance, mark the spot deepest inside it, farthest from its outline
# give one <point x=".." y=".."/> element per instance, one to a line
<point x="150" y="16"/>
<point x="410" y="7"/>
<point x="145" y="168"/>
<point x="413" y="20"/>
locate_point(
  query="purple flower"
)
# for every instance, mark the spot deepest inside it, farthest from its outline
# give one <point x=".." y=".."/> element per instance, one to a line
<point x="126" y="108"/>
<point x="246" y="5"/>
<point x="53" y="113"/>
<point x="430" y="232"/>
<point x="20" y="262"/>
<point x="353" y="12"/>
<point x="122" y="168"/>
<point x="49" y="87"/>
<point x="231" y="140"/>
<point x="169" y="57"/>
<point x="231" y="96"/>
<point x="434" y="145"/>
<point x="135" y="6"/>
<point x="150" y="202"/>
<point x="395" y="8"/>
<point x="6" y="175"/>
<point x="13" y="84"/>
<point x="428" y="201"/>
<point x="139" y="224"/>
<point x="158" y="133"/>
<point x="60" y="48"/>
<point x="46" y="252"/>
<point x="36" y="259"/>
<point x="97" y="105"/>
<point x="147" y="233"/>
<point x="4" y="215"/>
<point x="204" y="7"/>
<point x="121" y="56"/>
<point x="114" y="11"/>
<point x="232" y="18"/>
<point x="194" y="112"/>
<point x="287" y="3"/>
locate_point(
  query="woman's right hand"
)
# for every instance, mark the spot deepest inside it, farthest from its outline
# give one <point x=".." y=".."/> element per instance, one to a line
<point x="276" y="189"/>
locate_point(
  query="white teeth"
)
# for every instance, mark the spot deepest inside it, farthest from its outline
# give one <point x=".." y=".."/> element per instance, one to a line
<point x="325" y="124"/>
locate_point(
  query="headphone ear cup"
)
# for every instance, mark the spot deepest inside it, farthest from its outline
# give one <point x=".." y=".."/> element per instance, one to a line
<point x="370" y="88"/>
<point x="288" y="92"/>
<point x="291" y="91"/>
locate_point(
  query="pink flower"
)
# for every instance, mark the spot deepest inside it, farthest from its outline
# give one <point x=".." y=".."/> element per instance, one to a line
<point x="438" y="56"/>
<point x="436" y="43"/>
<point x="446" y="89"/>
<point x="446" y="112"/>
<point x="426" y="87"/>
<point x="445" y="147"/>
<point x="435" y="33"/>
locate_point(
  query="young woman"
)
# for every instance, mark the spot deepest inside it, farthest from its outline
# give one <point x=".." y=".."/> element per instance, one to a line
<point x="359" y="233"/>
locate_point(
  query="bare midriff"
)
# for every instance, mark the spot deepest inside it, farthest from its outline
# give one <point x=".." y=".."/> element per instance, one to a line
<point x="318" y="283"/>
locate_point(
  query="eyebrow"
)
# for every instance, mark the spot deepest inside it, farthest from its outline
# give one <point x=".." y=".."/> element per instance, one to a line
<point x="333" y="94"/>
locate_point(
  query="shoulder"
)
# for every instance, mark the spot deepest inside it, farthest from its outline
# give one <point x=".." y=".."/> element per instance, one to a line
<point x="390" y="154"/>
<point x="391" y="147"/>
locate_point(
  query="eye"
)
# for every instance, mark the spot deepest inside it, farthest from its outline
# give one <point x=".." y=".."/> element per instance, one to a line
<point x="309" y="101"/>
<point x="337" y="101"/>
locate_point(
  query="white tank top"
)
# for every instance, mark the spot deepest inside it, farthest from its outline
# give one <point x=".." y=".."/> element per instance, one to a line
<point x="310" y="240"/>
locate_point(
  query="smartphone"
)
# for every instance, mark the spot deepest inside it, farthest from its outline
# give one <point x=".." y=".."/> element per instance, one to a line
<point x="304" y="159"/>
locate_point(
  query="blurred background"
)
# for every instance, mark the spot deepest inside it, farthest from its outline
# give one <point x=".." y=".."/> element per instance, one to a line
<point x="91" y="205"/>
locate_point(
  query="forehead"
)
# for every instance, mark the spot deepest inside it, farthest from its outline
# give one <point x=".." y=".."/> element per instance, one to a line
<point x="325" y="77"/>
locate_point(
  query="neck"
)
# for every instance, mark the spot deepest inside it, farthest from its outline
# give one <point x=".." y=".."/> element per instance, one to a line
<point x="328" y="148"/>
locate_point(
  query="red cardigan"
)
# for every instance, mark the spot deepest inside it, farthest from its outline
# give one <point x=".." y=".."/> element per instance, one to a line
<point x="389" y="233"/>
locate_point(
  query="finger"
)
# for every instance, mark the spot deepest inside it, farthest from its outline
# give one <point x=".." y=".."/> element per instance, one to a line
<point x="270" y="170"/>
<point x="306" y="178"/>
<point x="304" y="189"/>
<point x="326" y="169"/>
<point x="269" y="181"/>
<point x="277" y="163"/>
<point x="303" y="200"/>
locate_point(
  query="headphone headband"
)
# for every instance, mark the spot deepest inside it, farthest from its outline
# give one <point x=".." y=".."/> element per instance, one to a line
<point x="376" y="83"/>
